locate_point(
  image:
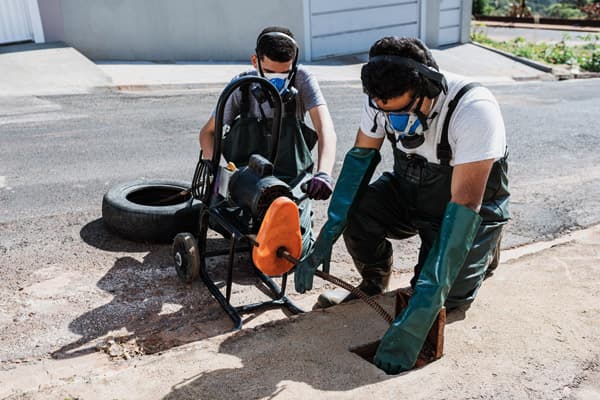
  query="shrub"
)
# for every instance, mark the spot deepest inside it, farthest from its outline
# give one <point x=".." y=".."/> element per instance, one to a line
<point x="558" y="53"/>
<point x="565" y="11"/>
<point x="591" y="63"/>
<point x="587" y="56"/>
<point x="481" y="7"/>
<point x="524" y="51"/>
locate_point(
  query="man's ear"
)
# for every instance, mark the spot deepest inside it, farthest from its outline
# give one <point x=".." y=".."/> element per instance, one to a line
<point x="254" y="60"/>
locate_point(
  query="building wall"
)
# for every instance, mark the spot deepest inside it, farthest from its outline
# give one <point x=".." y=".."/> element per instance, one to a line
<point x="341" y="27"/>
<point x="450" y="22"/>
<point x="446" y="22"/>
<point x="52" y="20"/>
<point x="226" y="30"/>
<point x="199" y="30"/>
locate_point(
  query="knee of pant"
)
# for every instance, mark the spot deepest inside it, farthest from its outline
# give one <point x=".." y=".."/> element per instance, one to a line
<point x="452" y="302"/>
<point x="464" y="291"/>
<point x="352" y="244"/>
<point x="351" y="234"/>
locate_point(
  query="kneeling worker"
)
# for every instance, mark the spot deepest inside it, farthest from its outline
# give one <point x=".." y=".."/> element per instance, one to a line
<point x="449" y="185"/>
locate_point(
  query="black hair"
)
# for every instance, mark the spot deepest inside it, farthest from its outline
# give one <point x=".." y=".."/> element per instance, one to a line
<point x="276" y="48"/>
<point x="384" y="80"/>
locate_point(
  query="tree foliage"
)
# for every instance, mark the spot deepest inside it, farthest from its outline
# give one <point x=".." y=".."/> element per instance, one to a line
<point x="573" y="9"/>
<point x="592" y="11"/>
<point x="564" y="11"/>
<point x="481" y="7"/>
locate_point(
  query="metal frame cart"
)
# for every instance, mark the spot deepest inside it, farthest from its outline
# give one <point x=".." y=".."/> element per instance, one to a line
<point x="235" y="222"/>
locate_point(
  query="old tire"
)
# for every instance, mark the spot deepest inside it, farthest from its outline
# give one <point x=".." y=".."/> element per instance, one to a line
<point x="150" y="210"/>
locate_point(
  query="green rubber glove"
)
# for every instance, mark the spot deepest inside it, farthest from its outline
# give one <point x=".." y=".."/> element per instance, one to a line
<point x="402" y="343"/>
<point x="353" y="180"/>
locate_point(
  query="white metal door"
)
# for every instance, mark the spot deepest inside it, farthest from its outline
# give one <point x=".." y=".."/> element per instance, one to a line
<point x="339" y="27"/>
<point x="450" y="21"/>
<point x="15" y="22"/>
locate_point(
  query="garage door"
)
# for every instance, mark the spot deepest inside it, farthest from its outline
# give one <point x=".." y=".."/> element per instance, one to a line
<point x="340" y="27"/>
<point x="450" y="19"/>
<point x="16" y="22"/>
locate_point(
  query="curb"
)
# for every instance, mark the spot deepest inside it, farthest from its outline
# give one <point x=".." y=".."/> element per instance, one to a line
<point x="519" y="251"/>
<point x="192" y="86"/>
<point x="522" y="60"/>
<point x="526" y="25"/>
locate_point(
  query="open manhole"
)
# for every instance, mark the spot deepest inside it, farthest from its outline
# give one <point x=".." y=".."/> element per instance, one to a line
<point x="433" y="348"/>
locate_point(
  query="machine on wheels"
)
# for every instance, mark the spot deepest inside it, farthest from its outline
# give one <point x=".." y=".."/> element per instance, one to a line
<point x="233" y="202"/>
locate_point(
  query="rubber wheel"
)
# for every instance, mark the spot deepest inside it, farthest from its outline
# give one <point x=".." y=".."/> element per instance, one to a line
<point x="150" y="210"/>
<point x="187" y="259"/>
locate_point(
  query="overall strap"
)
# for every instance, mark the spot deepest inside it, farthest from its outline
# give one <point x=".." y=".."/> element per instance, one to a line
<point x="289" y="108"/>
<point x="444" y="152"/>
<point x="245" y="101"/>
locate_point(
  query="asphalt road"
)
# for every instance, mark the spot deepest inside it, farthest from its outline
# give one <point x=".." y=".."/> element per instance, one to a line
<point x="536" y="35"/>
<point x="60" y="154"/>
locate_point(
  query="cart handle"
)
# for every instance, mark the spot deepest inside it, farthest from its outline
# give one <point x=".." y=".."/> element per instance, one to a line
<point x="277" y="117"/>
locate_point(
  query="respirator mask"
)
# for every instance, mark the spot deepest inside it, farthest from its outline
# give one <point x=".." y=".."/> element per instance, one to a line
<point x="407" y="125"/>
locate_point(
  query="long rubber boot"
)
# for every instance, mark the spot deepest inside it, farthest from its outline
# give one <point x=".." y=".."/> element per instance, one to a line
<point x="376" y="278"/>
<point x="401" y="344"/>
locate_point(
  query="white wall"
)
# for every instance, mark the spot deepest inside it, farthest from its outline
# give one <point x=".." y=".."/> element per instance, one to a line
<point x="174" y="29"/>
<point x="203" y="30"/>
<point x="339" y="27"/>
<point x="20" y="21"/>
<point x="450" y="22"/>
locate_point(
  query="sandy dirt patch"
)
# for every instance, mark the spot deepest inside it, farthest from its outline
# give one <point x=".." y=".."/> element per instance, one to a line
<point x="534" y="332"/>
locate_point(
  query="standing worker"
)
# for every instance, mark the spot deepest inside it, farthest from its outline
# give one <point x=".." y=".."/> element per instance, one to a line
<point x="449" y="185"/>
<point x="249" y="116"/>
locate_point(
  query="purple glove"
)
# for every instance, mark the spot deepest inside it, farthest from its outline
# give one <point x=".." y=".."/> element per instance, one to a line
<point x="320" y="186"/>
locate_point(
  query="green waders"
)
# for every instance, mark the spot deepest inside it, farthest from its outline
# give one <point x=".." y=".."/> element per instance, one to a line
<point x="251" y="135"/>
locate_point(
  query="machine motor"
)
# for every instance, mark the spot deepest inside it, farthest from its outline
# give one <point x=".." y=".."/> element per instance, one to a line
<point x="253" y="188"/>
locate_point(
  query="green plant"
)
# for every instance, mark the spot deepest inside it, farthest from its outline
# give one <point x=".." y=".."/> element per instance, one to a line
<point x="479" y="35"/>
<point x="524" y="51"/>
<point x="558" y="53"/>
<point x="519" y="40"/>
<point x="564" y="11"/>
<point x="481" y="7"/>
<point x="591" y="63"/>
<point x="586" y="56"/>
<point x="591" y="40"/>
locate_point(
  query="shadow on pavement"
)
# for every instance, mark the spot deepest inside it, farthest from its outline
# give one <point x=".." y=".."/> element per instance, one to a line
<point x="151" y="308"/>
<point x="29" y="46"/>
<point x="276" y="361"/>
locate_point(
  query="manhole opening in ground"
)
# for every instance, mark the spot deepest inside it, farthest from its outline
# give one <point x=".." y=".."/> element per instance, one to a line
<point x="432" y="349"/>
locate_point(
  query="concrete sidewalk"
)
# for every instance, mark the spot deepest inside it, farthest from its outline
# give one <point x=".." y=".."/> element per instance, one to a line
<point x="466" y="60"/>
<point x="49" y="69"/>
<point x="532" y="332"/>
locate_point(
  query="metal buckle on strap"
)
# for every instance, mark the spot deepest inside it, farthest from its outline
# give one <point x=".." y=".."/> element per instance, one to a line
<point x="444" y="153"/>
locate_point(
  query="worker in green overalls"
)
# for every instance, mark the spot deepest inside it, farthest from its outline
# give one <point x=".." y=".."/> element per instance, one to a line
<point x="449" y="185"/>
<point x="249" y="117"/>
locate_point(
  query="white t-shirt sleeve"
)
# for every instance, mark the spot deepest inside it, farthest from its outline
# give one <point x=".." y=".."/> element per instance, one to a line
<point x="477" y="131"/>
<point x="367" y="121"/>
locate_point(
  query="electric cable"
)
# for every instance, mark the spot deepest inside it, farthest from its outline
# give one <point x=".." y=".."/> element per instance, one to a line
<point x="283" y="253"/>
